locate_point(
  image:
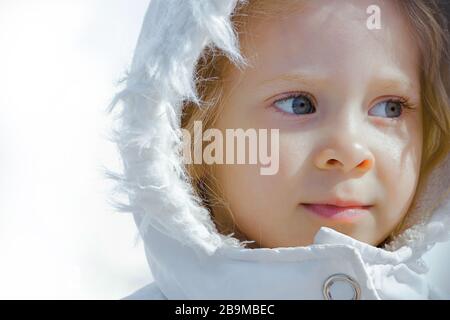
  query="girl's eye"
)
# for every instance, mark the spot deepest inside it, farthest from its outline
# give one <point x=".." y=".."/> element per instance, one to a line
<point x="390" y="108"/>
<point x="296" y="104"/>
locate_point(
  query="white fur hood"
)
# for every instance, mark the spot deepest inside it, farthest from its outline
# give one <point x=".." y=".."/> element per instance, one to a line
<point x="188" y="258"/>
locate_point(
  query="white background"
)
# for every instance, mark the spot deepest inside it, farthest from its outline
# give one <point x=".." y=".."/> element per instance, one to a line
<point x="59" y="238"/>
<point x="59" y="64"/>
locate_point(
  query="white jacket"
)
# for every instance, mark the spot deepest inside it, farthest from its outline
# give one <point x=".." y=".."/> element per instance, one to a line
<point x="188" y="258"/>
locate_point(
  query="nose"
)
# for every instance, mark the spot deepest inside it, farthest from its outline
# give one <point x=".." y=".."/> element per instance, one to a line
<point x="344" y="147"/>
<point x="348" y="157"/>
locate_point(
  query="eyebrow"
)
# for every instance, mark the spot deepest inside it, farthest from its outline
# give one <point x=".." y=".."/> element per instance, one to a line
<point x="385" y="81"/>
<point x="304" y="78"/>
<point x="398" y="81"/>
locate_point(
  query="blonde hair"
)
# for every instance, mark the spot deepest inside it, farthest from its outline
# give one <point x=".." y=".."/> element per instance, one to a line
<point x="431" y="29"/>
<point x="429" y="26"/>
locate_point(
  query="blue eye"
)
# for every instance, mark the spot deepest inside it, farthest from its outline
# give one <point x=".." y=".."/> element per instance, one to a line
<point x="391" y="108"/>
<point x="296" y="104"/>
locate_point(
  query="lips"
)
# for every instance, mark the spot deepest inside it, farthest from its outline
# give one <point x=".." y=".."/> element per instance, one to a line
<point x="343" y="203"/>
<point x="338" y="212"/>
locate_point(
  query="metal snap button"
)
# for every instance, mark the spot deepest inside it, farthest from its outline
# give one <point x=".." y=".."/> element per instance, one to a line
<point x="341" y="287"/>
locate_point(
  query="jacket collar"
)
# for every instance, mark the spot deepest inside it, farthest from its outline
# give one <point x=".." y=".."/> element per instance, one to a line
<point x="182" y="272"/>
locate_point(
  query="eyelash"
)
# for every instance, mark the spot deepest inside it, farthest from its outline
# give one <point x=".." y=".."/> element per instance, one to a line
<point x="403" y="101"/>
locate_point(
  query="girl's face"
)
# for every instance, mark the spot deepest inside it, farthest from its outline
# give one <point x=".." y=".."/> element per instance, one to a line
<point x="340" y="95"/>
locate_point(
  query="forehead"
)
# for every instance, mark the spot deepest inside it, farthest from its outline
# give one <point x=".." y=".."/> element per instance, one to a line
<point x="330" y="38"/>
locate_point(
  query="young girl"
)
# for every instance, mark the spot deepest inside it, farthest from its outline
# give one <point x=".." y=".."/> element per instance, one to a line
<point x="356" y="96"/>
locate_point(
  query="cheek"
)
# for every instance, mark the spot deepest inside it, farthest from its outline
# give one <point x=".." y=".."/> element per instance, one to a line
<point x="399" y="170"/>
<point x="253" y="197"/>
<point x="254" y="194"/>
<point x="295" y="150"/>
